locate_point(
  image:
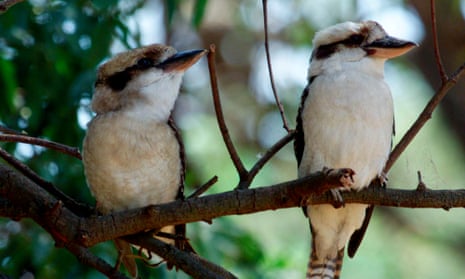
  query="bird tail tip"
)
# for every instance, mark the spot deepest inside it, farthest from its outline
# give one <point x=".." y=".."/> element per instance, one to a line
<point x="325" y="269"/>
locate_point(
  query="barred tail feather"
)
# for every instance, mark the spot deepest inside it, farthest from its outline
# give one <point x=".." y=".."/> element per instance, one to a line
<point x="325" y="269"/>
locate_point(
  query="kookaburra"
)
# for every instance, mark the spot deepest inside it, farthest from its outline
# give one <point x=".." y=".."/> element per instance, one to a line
<point x="345" y="120"/>
<point x="132" y="153"/>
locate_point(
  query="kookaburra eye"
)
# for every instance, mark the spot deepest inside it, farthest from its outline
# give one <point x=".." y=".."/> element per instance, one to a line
<point x="145" y="63"/>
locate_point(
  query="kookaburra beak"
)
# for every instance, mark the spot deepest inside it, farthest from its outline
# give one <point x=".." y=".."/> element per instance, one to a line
<point x="181" y="61"/>
<point x="388" y="47"/>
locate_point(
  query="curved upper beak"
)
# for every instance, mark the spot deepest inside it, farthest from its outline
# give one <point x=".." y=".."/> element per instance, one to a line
<point x="181" y="61"/>
<point x="389" y="47"/>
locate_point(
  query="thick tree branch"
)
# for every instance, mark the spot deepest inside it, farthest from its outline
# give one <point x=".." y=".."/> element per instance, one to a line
<point x="22" y="198"/>
<point x="79" y="208"/>
<point x="33" y="202"/>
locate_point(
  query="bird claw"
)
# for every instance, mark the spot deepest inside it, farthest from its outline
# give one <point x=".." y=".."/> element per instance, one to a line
<point x="346" y="181"/>
<point x="345" y="176"/>
<point x="338" y="200"/>
<point x="383" y="179"/>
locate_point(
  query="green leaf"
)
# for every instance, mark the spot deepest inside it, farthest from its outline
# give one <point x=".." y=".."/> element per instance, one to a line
<point x="171" y="7"/>
<point x="198" y="12"/>
<point x="7" y="77"/>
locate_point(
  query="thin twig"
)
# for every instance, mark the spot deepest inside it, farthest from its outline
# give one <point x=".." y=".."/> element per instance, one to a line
<point x="6" y="4"/>
<point x="202" y="189"/>
<point x="86" y="257"/>
<point x="446" y="84"/>
<point x="270" y="70"/>
<point x="265" y="158"/>
<point x="458" y="73"/>
<point x="220" y="117"/>
<point x="72" y="151"/>
<point x="78" y="208"/>
<point x="424" y="116"/>
<point x="190" y="263"/>
<point x="437" y="53"/>
<point x="9" y="131"/>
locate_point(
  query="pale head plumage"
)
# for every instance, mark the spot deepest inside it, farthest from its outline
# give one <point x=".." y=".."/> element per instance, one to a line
<point x="147" y="77"/>
<point x="370" y="30"/>
<point x="337" y="46"/>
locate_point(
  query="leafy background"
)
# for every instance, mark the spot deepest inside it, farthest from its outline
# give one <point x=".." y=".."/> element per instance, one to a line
<point x="49" y="51"/>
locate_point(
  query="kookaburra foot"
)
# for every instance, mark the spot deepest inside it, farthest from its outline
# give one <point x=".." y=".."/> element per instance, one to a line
<point x="383" y="179"/>
<point x="344" y="176"/>
<point x="345" y="179"/>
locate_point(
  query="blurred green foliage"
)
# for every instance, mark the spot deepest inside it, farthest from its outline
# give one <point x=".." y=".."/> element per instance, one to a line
<point x="49" y="51"/>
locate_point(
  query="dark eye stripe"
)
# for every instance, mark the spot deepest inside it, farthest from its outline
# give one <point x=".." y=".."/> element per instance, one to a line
<point x="144" y="63"/>
<point x="119" y="80"/>
<point x="325" y="51"/>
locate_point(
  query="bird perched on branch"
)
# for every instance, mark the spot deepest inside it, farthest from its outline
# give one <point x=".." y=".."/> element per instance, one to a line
<point x="345" y="120"/>
<point x="132" y="153"/>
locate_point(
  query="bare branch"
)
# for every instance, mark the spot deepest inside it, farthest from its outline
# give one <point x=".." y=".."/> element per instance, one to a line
<point x="6" y="4"/>
<point x="22" y="198"/>
<point x="437" y="53"/>
<point x="446" y="84"/>
<point x="72" y="151"/>
<point x="86" y="257"/>
<point x="290" y="194"/>
<point x="270" y="70"/>
<point x="220" y="117"/>
<point x="264" y="159"/>
<point x="458" y="74"/>
<point x="245" y="177"/>
<point x="79" y="208"/>
<point x="190" y="263"/>
<point x="9" y="131"/>
<point x="202" y="189"/>
<point x="424" y="116"/>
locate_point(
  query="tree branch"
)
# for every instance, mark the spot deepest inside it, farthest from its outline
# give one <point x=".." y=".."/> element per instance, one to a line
<point x="437" y="53"/>
<point x="190" y="263"/>
<point x="6" y="4"/>
<point x="86" y="257"/>
<point x="220" y="117"/>
<point x="270" y="70"/>
<point x="23" y="198"/>
<point x="78" y="208"/>
<point x="424" y="116"/>
<point x="33" y="202"/>
<point x="245" y="177"/>
<point x="244" y="184"/>
<point x="71" y="151"/>
<point x="446" y="84"/>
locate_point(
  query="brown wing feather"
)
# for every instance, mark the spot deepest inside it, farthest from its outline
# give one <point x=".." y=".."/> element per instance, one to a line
<point x="182" y="156"/>
<point x="181" y="241"/>
<point x="357" y="236"/>
<point x="299" y="141"/>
